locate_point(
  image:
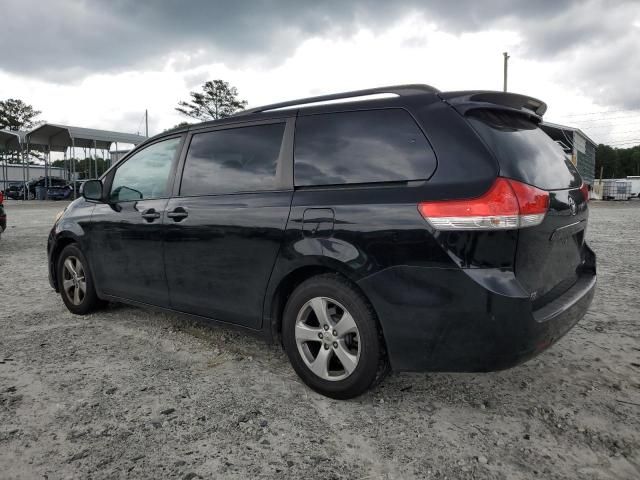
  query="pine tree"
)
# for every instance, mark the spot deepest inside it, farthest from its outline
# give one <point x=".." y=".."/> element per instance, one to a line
<point x="217" y="100"/>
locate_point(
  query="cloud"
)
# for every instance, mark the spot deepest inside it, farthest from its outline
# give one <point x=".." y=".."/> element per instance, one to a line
<point x="76" y="37"/>
<point x="144" y="52"/>
<point x="610" y="71"/>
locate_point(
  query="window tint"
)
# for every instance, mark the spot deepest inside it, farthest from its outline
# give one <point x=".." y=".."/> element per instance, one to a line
<point x="146" y="173"/>
<point x="233" y="160"/>
<point x="524" y="151"/>
<point x="360" y="147"/>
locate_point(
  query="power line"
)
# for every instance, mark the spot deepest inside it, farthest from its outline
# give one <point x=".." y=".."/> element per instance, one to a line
<point x="626" y="131"/>
<point x="630" y="133"/>
<point x="607" y="119"/>
<point x="622" y="142"/>
<point x="612" y="125"/>
<point x="601" y="119"/>
<point x="601" y="112"/>
<point x="630" y="140"/>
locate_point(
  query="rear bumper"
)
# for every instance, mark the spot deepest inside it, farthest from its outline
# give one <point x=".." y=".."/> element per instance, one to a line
<point x="458" y="320"/>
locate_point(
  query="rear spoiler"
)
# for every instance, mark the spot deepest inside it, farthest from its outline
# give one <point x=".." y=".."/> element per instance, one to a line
<point x="470" y="100"/>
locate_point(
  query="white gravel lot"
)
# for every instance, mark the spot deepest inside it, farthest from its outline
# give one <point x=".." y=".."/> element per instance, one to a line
<point x="128" y="393"/>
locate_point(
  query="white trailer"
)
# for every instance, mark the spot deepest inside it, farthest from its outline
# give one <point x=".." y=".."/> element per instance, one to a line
<point x="635" y="185"/>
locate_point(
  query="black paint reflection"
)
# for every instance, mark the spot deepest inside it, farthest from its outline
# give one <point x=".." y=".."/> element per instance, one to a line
<point x="525" y="152"/>
<point x="360" y="147"/>
<point x="218" y="260"/>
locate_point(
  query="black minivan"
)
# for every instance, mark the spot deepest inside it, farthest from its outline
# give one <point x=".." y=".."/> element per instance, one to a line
<point x="415" y="231"/>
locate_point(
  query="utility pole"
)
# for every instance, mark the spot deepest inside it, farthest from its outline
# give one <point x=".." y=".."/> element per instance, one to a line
<point x="506" y="60"/>
<point x="146" y="123"/>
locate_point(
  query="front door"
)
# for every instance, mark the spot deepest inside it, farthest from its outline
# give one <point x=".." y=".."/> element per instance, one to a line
<point x="225" y="227"/>
<point x="127" y="233"/>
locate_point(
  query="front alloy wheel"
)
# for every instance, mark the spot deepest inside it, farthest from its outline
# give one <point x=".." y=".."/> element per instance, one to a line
<point x="74" y="283"/>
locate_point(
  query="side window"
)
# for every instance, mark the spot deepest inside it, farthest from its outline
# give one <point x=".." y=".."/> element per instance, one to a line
<point x="145" y="174"/>
<point x="360" y="147"/>
<point x="241" y="159"/>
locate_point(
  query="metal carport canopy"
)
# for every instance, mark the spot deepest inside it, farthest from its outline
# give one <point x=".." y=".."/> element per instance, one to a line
<point x="10" y="140"/>
<point x="59" y="137"/>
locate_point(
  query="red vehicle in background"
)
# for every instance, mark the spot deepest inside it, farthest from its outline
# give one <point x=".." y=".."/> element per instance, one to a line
<point x="3" y="215"/>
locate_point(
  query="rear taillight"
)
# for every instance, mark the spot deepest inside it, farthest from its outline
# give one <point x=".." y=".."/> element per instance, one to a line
<point x="585" y="191"/>
<point x="508" y="204"/>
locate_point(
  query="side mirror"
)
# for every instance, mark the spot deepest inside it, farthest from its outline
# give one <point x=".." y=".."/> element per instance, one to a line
<point x="92" y="190"/>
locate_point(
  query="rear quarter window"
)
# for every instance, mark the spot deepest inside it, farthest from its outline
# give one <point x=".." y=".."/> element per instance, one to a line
<point x="524" y="151"/>
<point x="360" y="147"/>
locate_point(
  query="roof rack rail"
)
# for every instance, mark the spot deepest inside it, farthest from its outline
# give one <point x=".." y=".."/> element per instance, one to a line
<point x="400" y="90"/>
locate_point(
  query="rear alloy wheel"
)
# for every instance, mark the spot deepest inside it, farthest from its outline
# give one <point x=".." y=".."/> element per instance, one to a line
<point x="331" y="337"/>
<point x="75" y="282"/>
<point x="328" y="339"/>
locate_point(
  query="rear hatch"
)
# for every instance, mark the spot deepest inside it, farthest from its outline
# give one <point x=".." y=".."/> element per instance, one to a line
<point x="549" y="256"/>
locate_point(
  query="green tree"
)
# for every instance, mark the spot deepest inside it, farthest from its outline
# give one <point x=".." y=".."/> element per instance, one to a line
<point x="17" y="115"/>
<point x="84" y="167"/>
<point x="217" y="100"/>
<point x="635" y="161"/>
<point x="617" y="162"/>
<point x="606" y="158"/>
<point x="179" y="125"/>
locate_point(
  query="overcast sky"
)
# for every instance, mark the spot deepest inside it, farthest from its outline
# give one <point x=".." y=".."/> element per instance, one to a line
<point x="101" y="63"/>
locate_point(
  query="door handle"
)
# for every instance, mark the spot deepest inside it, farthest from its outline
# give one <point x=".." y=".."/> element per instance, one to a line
<point x="178" y="214"/>
<point x="150" y="214"/>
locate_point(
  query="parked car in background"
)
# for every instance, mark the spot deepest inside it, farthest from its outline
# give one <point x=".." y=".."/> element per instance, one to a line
<point x="13" y="190"/>
<point x="63" y="192"/>
<point x="78" y="186"/>
<point x="429" y="231"/>
<point x="3" y="215"/>
<point x="41" y="182"/>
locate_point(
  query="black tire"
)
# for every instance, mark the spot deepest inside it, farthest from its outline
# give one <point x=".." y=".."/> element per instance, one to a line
<point x="371" y="365"/>
<point x="88" y="301"/>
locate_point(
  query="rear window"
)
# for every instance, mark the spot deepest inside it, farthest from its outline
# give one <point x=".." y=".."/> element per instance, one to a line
<point x="524" y="151"/>
<point x="360" y="147"/>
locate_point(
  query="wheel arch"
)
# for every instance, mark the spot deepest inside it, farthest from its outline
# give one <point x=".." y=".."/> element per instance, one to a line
<point x="59" y="245"/>
<point x="277" y="297"/>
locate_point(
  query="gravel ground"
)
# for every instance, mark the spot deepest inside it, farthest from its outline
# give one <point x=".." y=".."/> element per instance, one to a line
<point x="128" y="393"/>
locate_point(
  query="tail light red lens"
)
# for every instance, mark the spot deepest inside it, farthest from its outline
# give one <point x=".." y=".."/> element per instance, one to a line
<point x="508" y="204"/>
<point x="1" y="197"/>
<point x="585" y="191"/>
